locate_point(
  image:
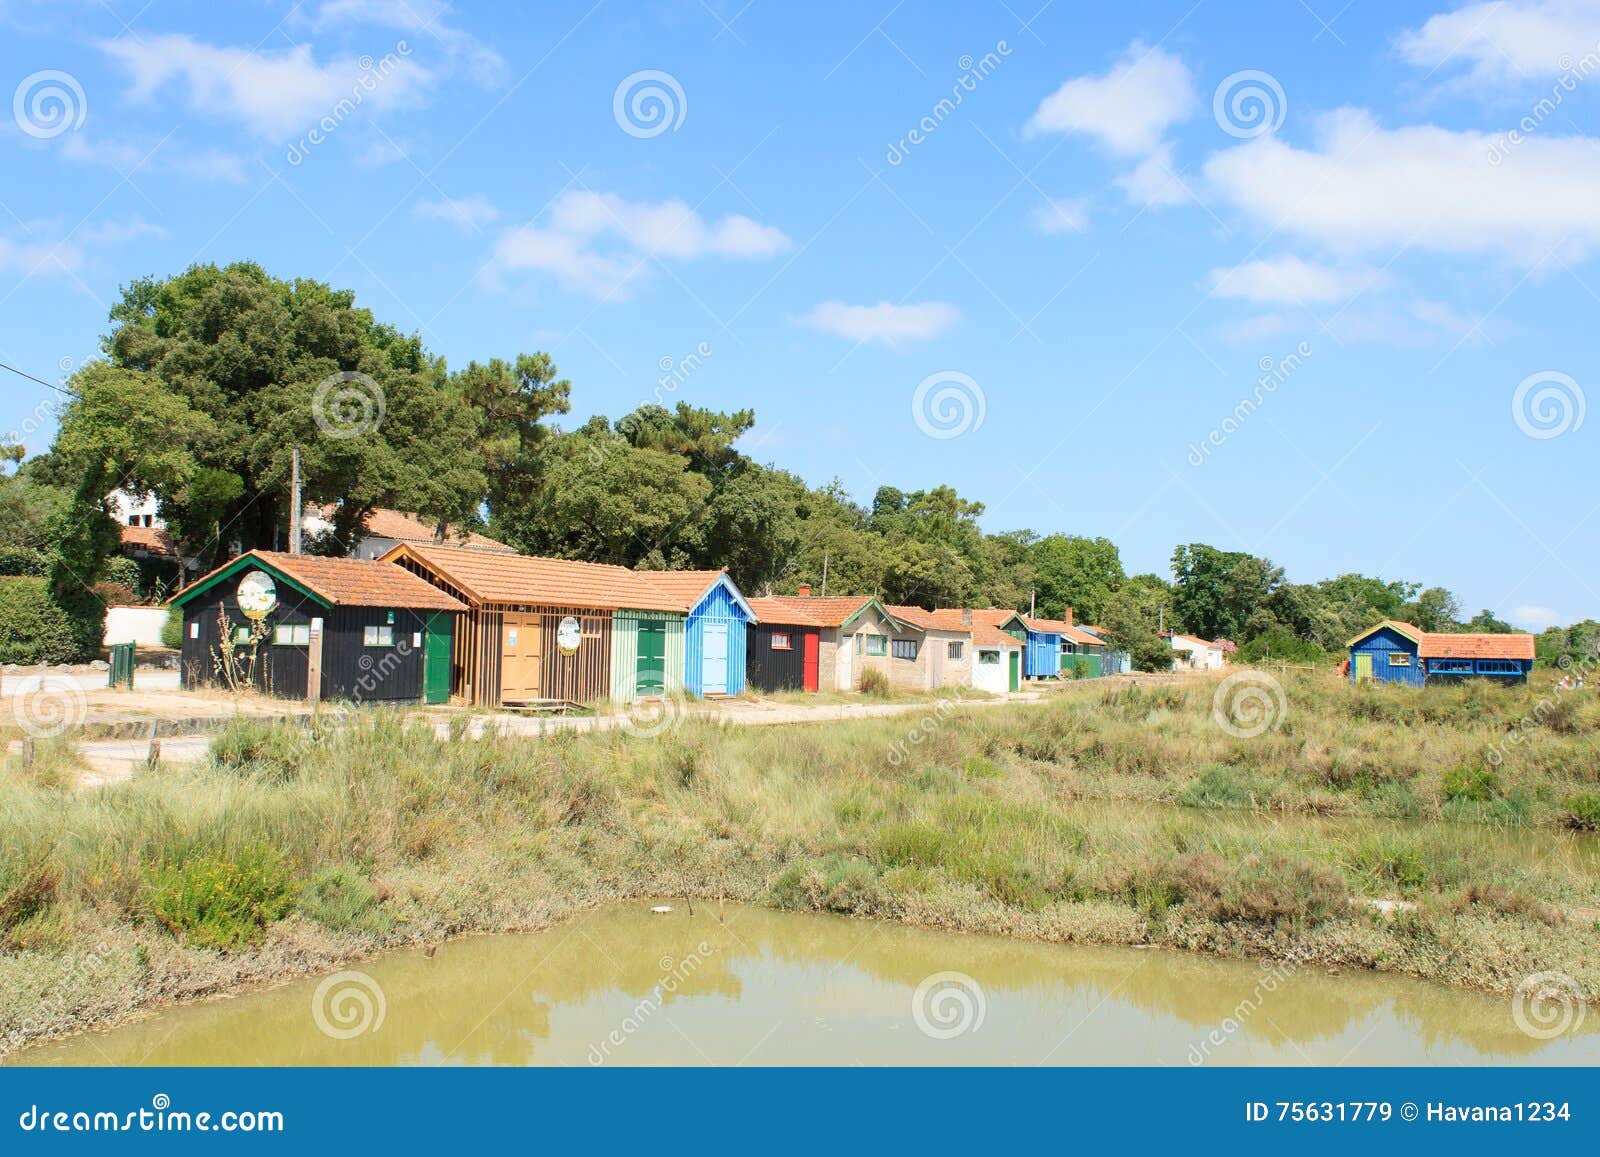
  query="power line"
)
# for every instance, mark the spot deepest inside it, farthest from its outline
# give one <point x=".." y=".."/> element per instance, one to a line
<point x="40" y="381"/>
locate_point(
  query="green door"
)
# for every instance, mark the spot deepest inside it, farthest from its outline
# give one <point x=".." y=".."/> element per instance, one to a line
<point x="436" y="643"/>
<point x="1016" y="670"/>
<point x="651" y="671"/>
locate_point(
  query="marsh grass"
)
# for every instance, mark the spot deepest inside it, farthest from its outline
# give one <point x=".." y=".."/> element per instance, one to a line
<point x="1120" y="814"/>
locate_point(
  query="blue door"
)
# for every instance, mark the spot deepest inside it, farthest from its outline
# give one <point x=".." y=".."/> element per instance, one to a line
<point x="714" y="665"/>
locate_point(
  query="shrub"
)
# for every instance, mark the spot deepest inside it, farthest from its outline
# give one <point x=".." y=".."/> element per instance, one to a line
<point x="1259" y="889"/>
<point x="123" y="572"/>
<point x="172" y="629"/>
<point x="256" y="747"/>
<point x="25" y="893"/>
<point x="1473" y="784"/>
<point x="344" y="899"/>
<point x="1583" y="811"/>
<point x="834" y="883"/>
<point x="873" y="683"/>
<point x="34" y="628"/>
<point x="23" y="560"/>
<point x="1223" y="786"/>
<point x="220" y="903"/>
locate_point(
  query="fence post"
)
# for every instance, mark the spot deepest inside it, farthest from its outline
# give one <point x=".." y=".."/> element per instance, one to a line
<point x="314" y="665"/>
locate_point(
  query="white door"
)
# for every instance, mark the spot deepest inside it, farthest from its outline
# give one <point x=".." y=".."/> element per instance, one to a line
<point x="714" y="664"/>
<point x="842" y="663"/>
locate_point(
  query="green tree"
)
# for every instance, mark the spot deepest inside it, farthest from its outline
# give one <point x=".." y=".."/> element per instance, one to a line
<point x="1485" y="623"/>
<point x="1077" y="572"/>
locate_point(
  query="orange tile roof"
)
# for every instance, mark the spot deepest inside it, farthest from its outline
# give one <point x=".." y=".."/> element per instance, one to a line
<point x="989" y="635"/>
<point x="1048" y="626"/>
<point x="486" y="577"/>
<point x="404" y="527"/>
<point x="784" y="612"/>
<point x="1441" y="645"/>
<point x="686" y="586"/>
<point x="984" y="627"/>
<point x="345" y="582"/>
<point x="154" y="539"/>
<point x="1082" y="637"/>
<point x="828" y="610"/>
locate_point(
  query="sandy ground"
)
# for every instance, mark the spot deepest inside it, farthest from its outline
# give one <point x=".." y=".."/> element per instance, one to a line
<point x="113" y="760"/>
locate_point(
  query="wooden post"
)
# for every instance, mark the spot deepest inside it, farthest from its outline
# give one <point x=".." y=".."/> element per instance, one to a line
<point x="314" y="665"/>
<point x="27" y="754"/>
<point x="294" y="501"/>
<point x="152" y="759"/>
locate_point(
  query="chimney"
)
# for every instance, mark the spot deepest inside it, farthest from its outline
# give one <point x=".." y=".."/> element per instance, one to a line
<point x="966" y="618"/>
<point x="805" y="590"/>
<point x="1068" y="618"/>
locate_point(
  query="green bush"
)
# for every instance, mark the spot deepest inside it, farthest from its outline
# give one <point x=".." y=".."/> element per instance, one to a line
<point x="25" y="561"/>
<point x="873" y="683"/>
<point x="219" y="903"/>
<point x="124" y="572"/>
<point x="34" y="628"/>
<point x="259" y="747"/>
<point x="833" y="883"/>
<point x="344" y="899"/>
<point x="1583" y="811"/>
<point x="172" y="629"/>
<point x="1472" y="784"/>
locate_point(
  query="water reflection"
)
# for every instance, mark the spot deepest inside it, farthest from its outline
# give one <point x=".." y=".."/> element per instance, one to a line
<point x="622" y="986"/>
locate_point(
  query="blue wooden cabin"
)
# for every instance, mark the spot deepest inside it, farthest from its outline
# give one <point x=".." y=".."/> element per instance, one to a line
<point x="1041" y="639"/>
<point x="1394" y="652"/>
<point x="715" y="635"/>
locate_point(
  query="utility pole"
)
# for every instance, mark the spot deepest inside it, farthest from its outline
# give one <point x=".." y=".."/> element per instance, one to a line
<point x="294" y="501"/>
<point x="824" y="574"/>
<point x="1033" y="601"/>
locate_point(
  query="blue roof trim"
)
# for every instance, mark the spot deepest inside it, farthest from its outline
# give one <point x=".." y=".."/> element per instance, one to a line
<point x="733" y="592"/>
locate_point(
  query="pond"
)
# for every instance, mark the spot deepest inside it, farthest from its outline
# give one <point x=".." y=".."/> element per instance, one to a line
<point x="749" y="986"/>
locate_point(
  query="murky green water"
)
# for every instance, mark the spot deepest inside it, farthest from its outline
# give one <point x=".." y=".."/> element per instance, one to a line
<point x="622" y="986"/>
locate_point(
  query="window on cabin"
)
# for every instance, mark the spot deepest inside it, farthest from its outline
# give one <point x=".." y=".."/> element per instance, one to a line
<point x="241" y="636"/>
<point x="781" y="641"/>
<point x="905" y="649"/>
<point x="954" y="651"/>
<point x="1450" y="666"/>
<point x="989" y="658"/>
<point x="877" y="645"/>
<point x="1399" y="659"/>
<point x="1499" y="666"/>
<point x="291" y="635"/>
<point x="377" y="636"/>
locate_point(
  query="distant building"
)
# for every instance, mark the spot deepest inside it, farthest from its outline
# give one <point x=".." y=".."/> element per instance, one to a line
<point x="1393" y="652"/>
<point x="387" y="529"/>
<point x="1190" y="653"/>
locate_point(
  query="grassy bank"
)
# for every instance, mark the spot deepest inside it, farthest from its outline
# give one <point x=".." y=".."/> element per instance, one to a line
<point x="1108" y="813"/>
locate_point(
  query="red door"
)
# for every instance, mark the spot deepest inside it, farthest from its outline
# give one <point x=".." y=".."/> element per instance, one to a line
<point x="811" y="661"/>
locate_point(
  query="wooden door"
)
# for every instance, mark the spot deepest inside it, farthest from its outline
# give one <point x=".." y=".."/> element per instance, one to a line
<point x="651" y="670"/>
<point x="1016" y="670"/>
<point x="812" y="641"/>
<point x="521" y="658"/>
<point x="1363" y="667"/>
<point x="714" y="661"/>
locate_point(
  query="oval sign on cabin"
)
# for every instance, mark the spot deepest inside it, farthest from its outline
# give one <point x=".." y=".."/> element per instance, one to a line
<point x="258" y="595"/>
<point x="569" y="635"/>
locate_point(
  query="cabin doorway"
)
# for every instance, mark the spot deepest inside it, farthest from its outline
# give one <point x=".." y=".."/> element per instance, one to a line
<point x="521" y="658"/>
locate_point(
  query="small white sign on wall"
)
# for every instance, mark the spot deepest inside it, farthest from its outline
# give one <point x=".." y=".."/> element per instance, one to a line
<point x="194" y="630"/>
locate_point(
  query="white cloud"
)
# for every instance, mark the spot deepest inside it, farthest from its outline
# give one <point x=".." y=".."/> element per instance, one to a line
<point x="599" y="243"/>
<point x="279" y="96"/>
<point x="1506" y="40"/>
<point x="1129" y="110"/>
<point x="467" y="212"/>
<point x="425" y="20"/>
<point x="1255" y="329"/>
<point x="1064" y="216"/>
<point x="1277" y="280"/>
<point x="1534" y="618"/>
<point x="127" y="158"/>
<point x="1365" y="188"/>
<point x="885" y="322"/>
<point x="42" y="248"/>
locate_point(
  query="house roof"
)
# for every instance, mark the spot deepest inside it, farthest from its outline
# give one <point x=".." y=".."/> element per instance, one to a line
<point x="783" y="612"/>
<point x="1439" y="645"/>
<point x="1047" y="626"/>
<point x="516" y="579"/>
<point x="1448" y="645"/>
<point x="1193" y="641"/>
<point x="829" y="610"/>
<point x="1082" y="637"/>
<point x="404" y="527"/>
<point x="984" y="626"/>
<point x="335" y="582"/>
<point x="153" y="539"/>
<point x="989" y="635"/>
<point x="693" y="585"/>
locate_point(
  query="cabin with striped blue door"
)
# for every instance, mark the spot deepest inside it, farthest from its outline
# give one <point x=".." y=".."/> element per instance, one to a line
<point x="715" y="637"/>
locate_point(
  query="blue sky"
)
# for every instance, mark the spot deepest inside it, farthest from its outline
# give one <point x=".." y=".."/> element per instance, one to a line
<point x="1312" y="281"/>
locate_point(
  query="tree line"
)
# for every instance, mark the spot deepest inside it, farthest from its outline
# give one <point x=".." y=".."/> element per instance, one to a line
<point x="211" y="378"/>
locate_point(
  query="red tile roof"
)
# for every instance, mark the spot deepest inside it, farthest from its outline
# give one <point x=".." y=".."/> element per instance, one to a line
<point x="686" y="586"/>
<point x="1082" y="637"/>
<point x="784" y="612"/>
<point x="344" y="582"/>
<point x="153" y="539"/>
<point x="515" y="579"/>
<point x="1440" y="645"/>
<point x="404" y="527"/>
<point x="1048" y="626"/>
<point x="830" y="610"/>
